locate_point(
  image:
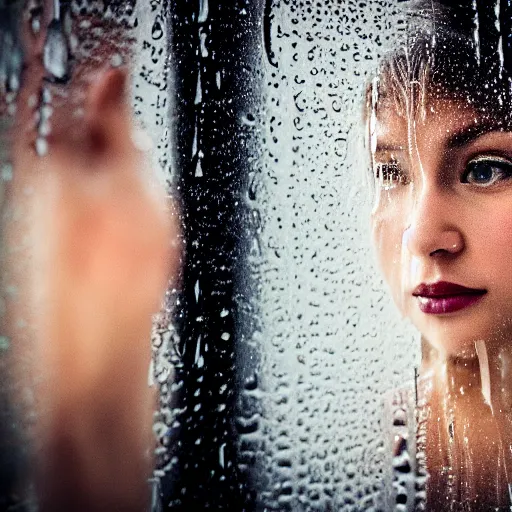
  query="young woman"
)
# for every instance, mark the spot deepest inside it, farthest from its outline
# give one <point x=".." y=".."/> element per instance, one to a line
<point x="440" y="132"/>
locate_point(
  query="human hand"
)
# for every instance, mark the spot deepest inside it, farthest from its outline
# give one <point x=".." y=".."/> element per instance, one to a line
<point x="100" y="250"/>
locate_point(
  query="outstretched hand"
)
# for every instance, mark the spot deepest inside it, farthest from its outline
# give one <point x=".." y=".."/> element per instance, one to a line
<point x="101" y="252"/>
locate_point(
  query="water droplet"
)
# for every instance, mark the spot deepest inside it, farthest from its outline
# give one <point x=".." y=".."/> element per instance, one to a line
<point x="4" y="343"/>
<point x="73" y="43"/>
<point x="46" y="112"/>
<point x="47" y="95"/>
<point x="194" y="142"/>
<point x="41" y="146"/>
<point x="198" y="350"/>
<point x="249" y="119"/>
<point x="45" y="128"/>
<point x="7" y="172"/>
<point x="251" y="382"/>
<point x="157" y="31"/>
<point x="221" y="454"/>
<point x="116" y="60"/>
<point x="199" y="169"/>
<point x="203" y="11"/>
<point x="14" y="81"/>
<point x="56" y="52"/>
<point x="199" y="92"/>
<point x="32" y="101"/>
<point x="36" y="25"/>
<point x="202" y="45"/>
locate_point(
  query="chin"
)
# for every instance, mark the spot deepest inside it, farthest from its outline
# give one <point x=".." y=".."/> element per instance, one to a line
<point x="455" y="339"/>
<point x="463" y="348"/>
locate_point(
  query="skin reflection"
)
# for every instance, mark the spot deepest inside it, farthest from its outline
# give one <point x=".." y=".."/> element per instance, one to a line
<point x="88" y="233"/>
<point x="442" y="229"/>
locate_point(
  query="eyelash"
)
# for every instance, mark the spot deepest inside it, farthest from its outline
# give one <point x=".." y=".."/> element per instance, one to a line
<point x="503" y="166"/>
<point x="390" y="174"/>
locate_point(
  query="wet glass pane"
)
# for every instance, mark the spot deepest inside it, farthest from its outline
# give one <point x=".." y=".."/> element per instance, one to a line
<point x="255" y="255"/>
<point x="287" y="340"/>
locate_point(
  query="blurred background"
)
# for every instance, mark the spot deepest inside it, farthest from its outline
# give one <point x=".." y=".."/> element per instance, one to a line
<point x="278" y="343"/>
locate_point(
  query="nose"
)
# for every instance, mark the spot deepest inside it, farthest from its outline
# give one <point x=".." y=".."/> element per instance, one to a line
<point x="434" y="228"/>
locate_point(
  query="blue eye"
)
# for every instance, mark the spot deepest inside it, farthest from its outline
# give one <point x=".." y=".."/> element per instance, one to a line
<point x="487" y="171"/>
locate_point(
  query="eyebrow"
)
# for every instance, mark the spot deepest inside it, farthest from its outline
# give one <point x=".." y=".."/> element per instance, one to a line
<point x="460" y="138"/>
<point x="389" y="147"/>
<point x="385" y="147"/>
<point x="470" y="133"/>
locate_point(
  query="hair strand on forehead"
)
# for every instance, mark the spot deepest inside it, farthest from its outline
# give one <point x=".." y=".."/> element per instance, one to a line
<point x="450" y="51"/>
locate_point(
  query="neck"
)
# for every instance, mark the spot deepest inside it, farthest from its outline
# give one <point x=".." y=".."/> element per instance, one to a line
<point x="486" y="369"/>
<point x="468" y="426"/>
<point x="496" y="374"/>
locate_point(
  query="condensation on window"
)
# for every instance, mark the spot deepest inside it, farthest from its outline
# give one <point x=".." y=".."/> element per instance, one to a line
<point x="283" y="368"/>
<point x="285" y="343"/>
<point x="326" y="343"/>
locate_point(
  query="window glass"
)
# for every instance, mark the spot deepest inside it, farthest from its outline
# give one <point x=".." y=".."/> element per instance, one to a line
<point x="322" y="188"/>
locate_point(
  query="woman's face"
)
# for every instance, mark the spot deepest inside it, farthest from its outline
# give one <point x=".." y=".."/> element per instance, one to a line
<point x="442" y="223"/>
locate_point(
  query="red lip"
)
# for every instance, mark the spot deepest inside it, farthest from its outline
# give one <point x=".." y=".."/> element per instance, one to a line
<point x="443" y="288"/>
<point x="444" y="297"/>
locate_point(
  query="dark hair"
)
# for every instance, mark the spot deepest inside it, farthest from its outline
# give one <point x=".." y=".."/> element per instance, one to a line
<point x="457" y="50"/>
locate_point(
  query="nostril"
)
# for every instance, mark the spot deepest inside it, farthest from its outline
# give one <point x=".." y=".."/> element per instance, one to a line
<point x="433" y="241"/>
<point x="441" y="252"/>
<point x="438" y="252"/>
<point x="449" y="243"/>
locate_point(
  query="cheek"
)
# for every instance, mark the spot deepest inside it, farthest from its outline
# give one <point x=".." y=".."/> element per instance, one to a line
<point x="387" y="234"/>
<point x="491" y="241"/>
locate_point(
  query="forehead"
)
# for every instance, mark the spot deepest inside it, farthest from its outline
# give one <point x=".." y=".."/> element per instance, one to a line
<point x="440" y="121"/>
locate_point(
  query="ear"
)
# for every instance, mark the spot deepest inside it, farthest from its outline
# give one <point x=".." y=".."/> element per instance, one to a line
<point x="107" y="113"/>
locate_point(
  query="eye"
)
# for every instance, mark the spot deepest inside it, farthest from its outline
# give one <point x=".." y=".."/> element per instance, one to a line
<point x="485" y="172"/>
<point x="390" y="174"/>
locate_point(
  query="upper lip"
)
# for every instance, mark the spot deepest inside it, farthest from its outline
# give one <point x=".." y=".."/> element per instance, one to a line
<point x="445" y="289"/>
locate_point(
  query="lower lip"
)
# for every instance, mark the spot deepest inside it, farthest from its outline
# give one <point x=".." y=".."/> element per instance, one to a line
<point x="448" y="304"/>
